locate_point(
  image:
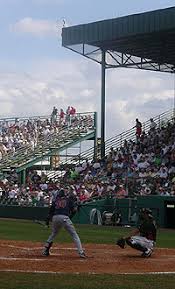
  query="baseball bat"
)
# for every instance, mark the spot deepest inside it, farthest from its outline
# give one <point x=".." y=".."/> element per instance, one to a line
<point x="41" y="223"/>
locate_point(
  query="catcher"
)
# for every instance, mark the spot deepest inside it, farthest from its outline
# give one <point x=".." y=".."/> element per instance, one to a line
<point x="143" y="238"/>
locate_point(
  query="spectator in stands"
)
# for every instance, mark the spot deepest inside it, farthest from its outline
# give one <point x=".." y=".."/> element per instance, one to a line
<point x="172" y="190"/>
<point x="1" y="189"/>
<point x="88" y="176"/>
<point x="153" y="125"/>
<point x="61" y="116"/>
<point x="138" y="127"/>
<point x="73" y="174"/>
<point x="121" y="192"/>
<point x="72" y="111"/>
<point x="143" y="163"/>
<point x="163" y="172"/>
<point x="96" y="165"/>
<point x="145" y="190"/>
<point x="68" y="115"/>
<point x="54" y="115"/>
<point x="163" y="191"/>
<point x="36" y="178"/>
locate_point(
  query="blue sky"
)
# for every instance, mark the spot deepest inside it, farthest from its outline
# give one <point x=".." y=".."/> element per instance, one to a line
<point x="36" y="72"/>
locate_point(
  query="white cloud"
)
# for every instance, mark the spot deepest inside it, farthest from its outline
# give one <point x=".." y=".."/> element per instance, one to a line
<point x="129" y="93"/>
<point x="87" y="92"/>
<point x="37" y="27"/>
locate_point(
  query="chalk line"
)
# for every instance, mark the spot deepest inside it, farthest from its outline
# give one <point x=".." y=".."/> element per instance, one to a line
<point x="35" y="248"/>
<point x="88" y="273"/>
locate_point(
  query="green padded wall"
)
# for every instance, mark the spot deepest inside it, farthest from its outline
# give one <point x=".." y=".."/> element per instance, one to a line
<point x="161" y="207"/>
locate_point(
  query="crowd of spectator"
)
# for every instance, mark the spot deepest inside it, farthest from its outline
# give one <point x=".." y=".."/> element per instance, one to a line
<point x="141" y="167"/>
<point x="27" y="133"/>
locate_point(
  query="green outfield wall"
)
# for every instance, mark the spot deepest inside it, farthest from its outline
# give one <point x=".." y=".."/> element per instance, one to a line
<point x="28" y="213"/>
<point x="163" y="209"/>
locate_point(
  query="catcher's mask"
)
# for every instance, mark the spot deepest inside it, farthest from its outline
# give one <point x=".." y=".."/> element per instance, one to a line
<point x="145" y="213"/>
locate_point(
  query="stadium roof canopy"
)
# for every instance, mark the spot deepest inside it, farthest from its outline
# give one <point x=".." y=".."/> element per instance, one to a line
<point x="144" y="41"/>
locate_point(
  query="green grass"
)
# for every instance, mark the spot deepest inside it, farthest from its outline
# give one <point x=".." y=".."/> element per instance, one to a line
<point x="84" y="281"/>
<point x="29" y="231"/>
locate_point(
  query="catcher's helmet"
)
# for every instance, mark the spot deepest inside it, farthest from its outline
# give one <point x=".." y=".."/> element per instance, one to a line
<point x="145" y="212"/>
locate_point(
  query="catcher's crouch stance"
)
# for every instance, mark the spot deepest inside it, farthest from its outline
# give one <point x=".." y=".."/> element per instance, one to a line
<point x="143" y="238"/>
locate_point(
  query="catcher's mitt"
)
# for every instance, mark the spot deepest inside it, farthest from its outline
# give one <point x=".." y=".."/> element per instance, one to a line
<point x="121" y="243"/>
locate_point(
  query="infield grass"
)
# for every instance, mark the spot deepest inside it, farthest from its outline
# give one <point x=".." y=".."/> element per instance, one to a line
<point x="28" y="231"/>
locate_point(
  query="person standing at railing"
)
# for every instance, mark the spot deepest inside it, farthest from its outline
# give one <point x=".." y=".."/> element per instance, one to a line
<point x="138" y="127"/>
<point x="67" y="119"/>
<point x="152" y="125"/>
<point x="61" y="116"/>
<point x="54" y="115"/>
<point x="72" y="114"/>
<point x="72" y="111"/>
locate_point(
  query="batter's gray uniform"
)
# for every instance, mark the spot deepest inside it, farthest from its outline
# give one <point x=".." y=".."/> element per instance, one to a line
<point x="59" y="221"/>
<point x="62" y="207"/>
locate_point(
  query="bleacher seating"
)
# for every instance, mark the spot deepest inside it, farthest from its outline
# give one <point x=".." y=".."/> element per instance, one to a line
<point x="133" y="166"/>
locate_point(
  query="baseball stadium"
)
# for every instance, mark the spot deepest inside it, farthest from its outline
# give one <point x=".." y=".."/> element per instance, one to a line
<point x="113" y="197"/>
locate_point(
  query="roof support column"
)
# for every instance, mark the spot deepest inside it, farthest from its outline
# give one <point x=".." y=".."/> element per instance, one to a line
<point x="103" y="88"/>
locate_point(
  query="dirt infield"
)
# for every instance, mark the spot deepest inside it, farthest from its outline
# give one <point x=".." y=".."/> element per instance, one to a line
<point x="26" y="256"/>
